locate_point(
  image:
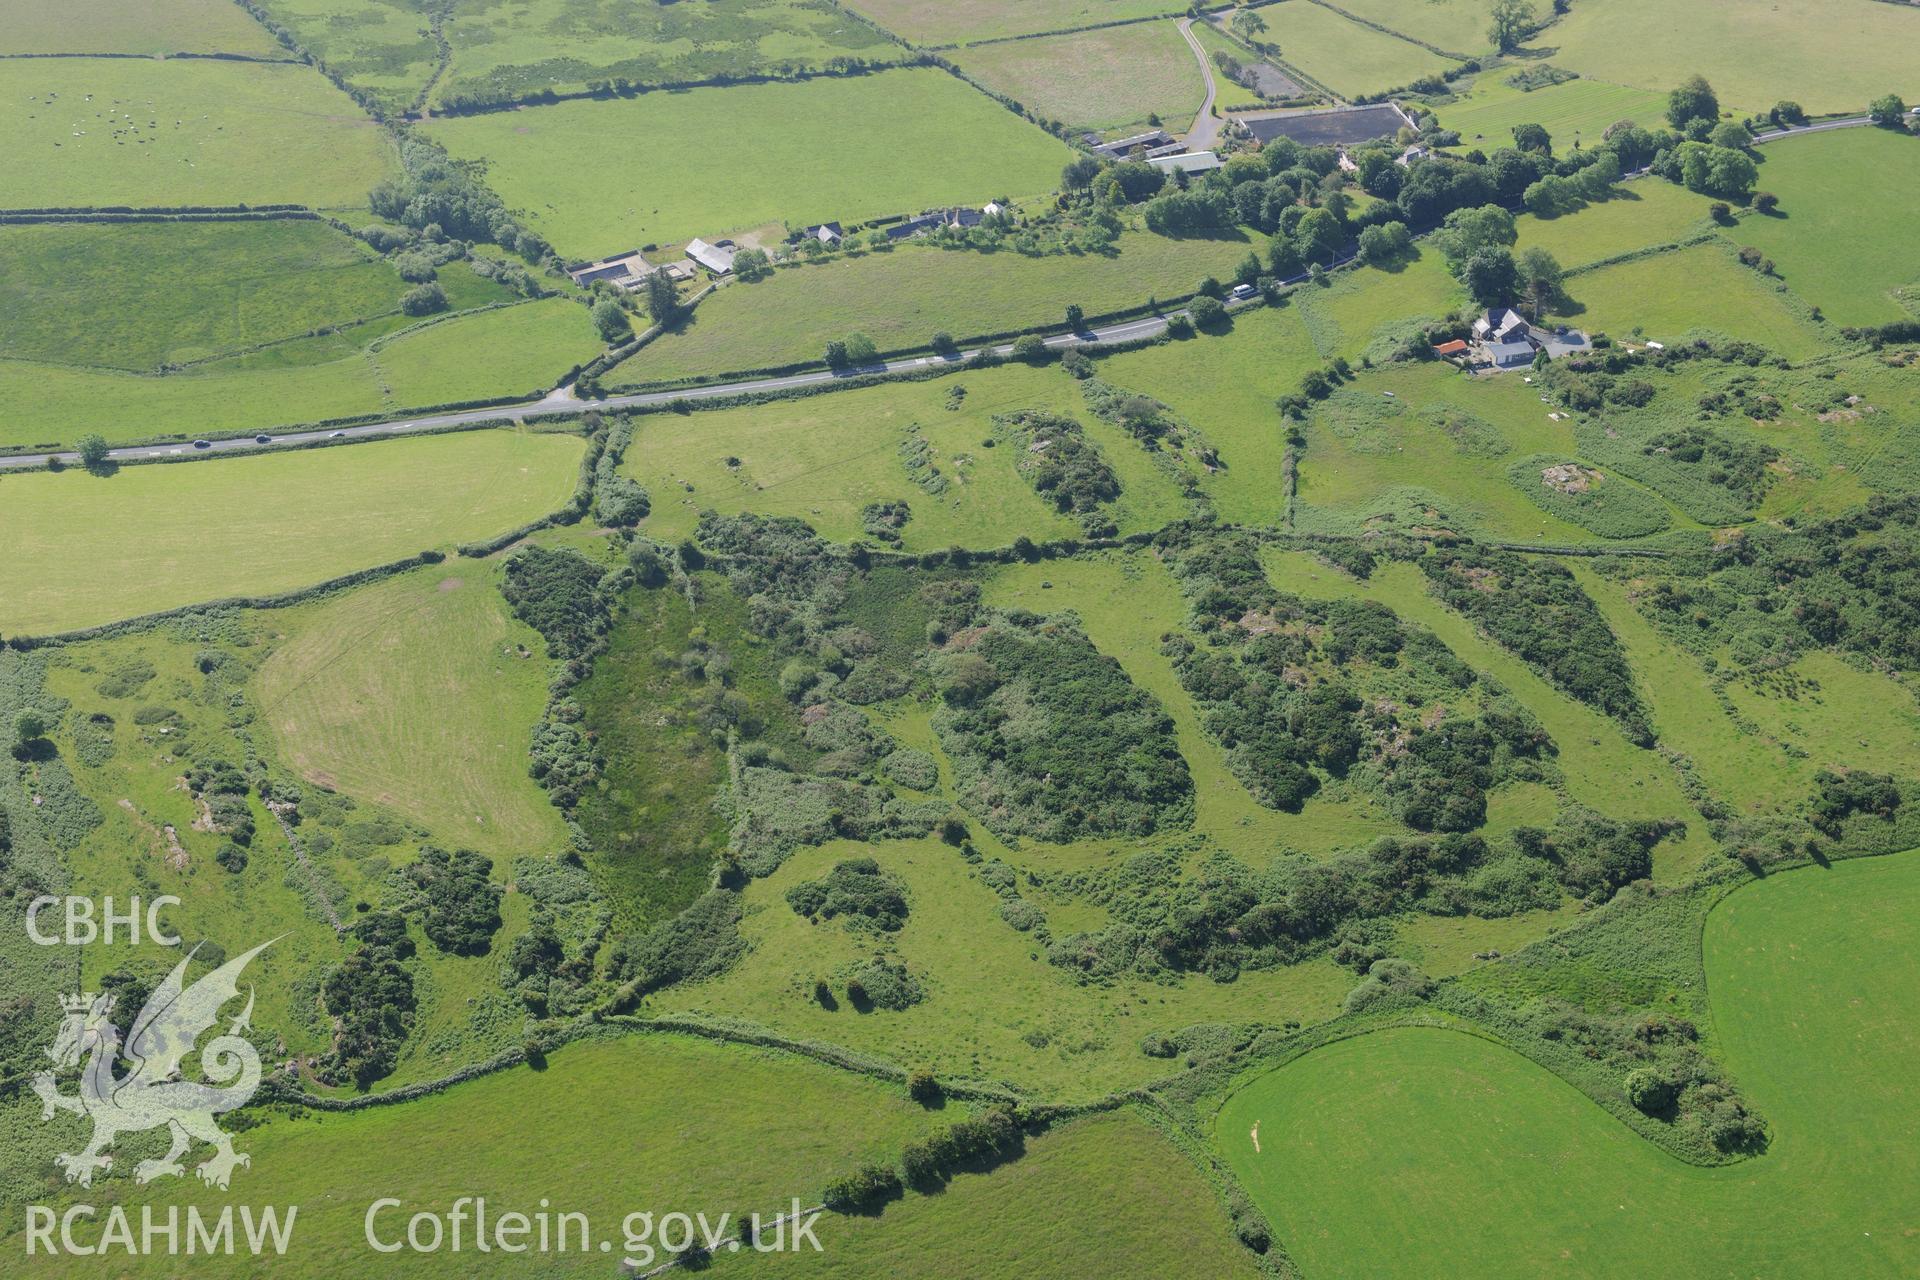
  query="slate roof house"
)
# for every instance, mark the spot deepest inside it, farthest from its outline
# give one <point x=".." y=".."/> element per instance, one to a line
<point x="1501" y="324"/>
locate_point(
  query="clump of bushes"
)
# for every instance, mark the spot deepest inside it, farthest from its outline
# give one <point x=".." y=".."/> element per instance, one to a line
<point x="370" y="995"/>
<point x="856" y="889"/>
<point x="557" y="593"/>
<point x="996" y="1135"/>
<point x="864" y="1190"/>
<point x="459" y="904"/>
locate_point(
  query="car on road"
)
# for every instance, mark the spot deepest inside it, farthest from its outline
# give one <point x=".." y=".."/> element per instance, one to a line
<point x="338" y="435"/>
<point x="1241" y="292"/>
<point x="263" y="439"/>
<point x="203" y="444"/>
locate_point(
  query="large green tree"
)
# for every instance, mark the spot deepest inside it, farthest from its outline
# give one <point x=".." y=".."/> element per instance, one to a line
<point x="1513" y="20"/>
<point x="1693" y="100"/>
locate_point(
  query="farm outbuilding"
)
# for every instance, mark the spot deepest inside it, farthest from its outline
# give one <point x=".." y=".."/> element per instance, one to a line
<point x="717" y="258"/>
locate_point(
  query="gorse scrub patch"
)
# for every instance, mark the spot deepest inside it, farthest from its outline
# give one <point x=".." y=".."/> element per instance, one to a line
<point x="557" y="593"/>
<point x="857" y="890"/>
<point x="459" y="905"/>
<point x="1764" y="595"/>
<point x="1050" y="739"/>
<point x="1061" y="464"/>
<point x="1535" y="608"/>
<point x="371" y="995"/>
<point x="1298" y="691"/>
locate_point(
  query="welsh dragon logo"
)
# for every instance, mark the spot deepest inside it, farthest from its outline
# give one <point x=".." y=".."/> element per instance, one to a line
<point x="151" y="1094"/>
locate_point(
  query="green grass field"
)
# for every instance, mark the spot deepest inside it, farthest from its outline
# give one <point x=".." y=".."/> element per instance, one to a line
<point x="1051" y="1212"/>
<point x="135" y="297"/>
<point x="155" y="27"/>
<point x="1343" y="55"/>
<point x="1432" y="1128"/>
<point x="1439" y="440"/>
<point x="1640" y="214"/>
<point x="1828" y="55"/>
<point x="418" y="693"/>
<point x="1459" y="26"/>
<point x="1226" y="387"/>
<point x="995" y="1010"/>
<point x="1572" y="112"/>
<point x="1702" y="288"/>
<point x="674" y="1125"/>
<point x="1229" y="95"/>
<point x="515" y="351"/>
<point x="1842" y="239"/>
<point x="384" y="48"/>
<point x="901" y="297"/>
<point x="1096" y="79"/>
<point x="1344" y="316"/>
<point x="965" y="20"/>
<point x="877" y="145"/>
<point x="823" y="458"/>
<point x="129" y="131"/>
<point x="1819" y="713"/>
<point x="200" y="531"/>
<point x="566" y="44"/>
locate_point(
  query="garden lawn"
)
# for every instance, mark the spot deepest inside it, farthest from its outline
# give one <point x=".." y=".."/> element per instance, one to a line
<point x="516" y="352"/>
<point x="1698" y="289"/>
<point x="901" y="297"/>
<point x="1843" y="238"/>
<point x="1572" y="112"/>
<point x="153" y="27"/>
<point x="178" y="534"/>
<point x="641" y="1123"/>
<point x="419" y="692"/>
<point x="600" y="176"/>
<point x="973" y="20"/>
<point x="823" y="458"/>
<point x="1638" y="215"/>
<point x="1828" y="55"/>
<point x="1486" y="1164"/>
<point x="1347" y="57"/>
<point x="141" y="295"/>
<point x="1052" y="1213"/>
<point x="1096" y="79"/>
<point x="134" y="131"/>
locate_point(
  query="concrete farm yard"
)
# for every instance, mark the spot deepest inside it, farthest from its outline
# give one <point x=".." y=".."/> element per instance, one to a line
<point x="1084" y="638"/>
